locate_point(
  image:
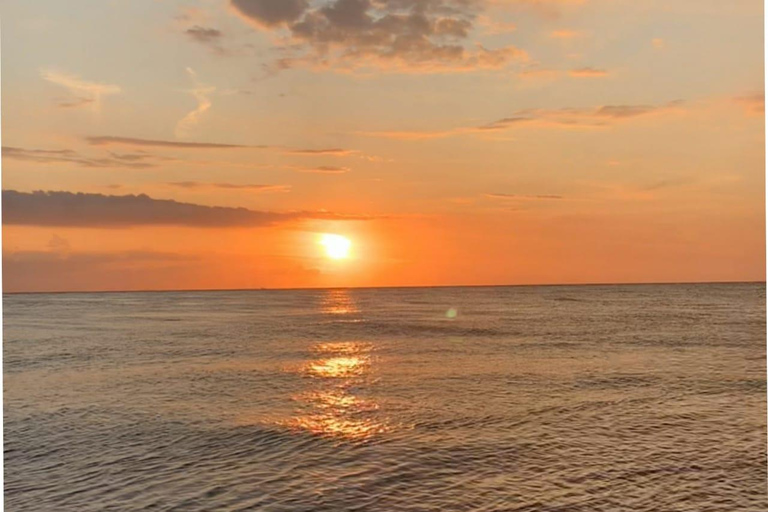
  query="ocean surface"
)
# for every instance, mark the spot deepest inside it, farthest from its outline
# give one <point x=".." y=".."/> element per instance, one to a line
<point x="573" y="398"/>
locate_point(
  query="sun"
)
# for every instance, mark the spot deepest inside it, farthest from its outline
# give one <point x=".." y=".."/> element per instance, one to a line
<point x="336" y="246"/>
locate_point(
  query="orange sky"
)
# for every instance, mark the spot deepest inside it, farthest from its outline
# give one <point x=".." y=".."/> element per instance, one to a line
<point x="190" y="145"/>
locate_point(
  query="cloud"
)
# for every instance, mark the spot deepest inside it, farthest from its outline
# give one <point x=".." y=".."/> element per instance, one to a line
<point x="203" y="34"/>
<point x="553" y="118"/>
<point x="588" y="72"/>
<point x="665" y="184"/>
<point x="210" y="37"/>
<point x="396" y="35"/>
<point x="75" y="102"/>
<point x="201" y="94"/>
<point x="643" y="192"/>
<point x="270" y="13"/>
<point x="104" y="140"/>
<point x="524" y="197"/>
<point x="416" y="135"/>
<point x="78" y="209"/>
<point x="580" y="117"/>
<point x="230" y="186"/>
<point x="322" y="152"/>
<point x="323" y="169"/>
<point x="68" y="156"/>
<point x="85" y="92"/>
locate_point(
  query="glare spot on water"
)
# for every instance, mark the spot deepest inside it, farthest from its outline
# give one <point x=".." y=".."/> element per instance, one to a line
<point x="333" y="406"/>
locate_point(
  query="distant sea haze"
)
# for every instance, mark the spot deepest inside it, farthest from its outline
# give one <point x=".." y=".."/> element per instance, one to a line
<point x="551" y="398"/>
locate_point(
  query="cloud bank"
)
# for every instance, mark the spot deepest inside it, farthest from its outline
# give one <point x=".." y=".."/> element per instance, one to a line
<point x="78" y="209"/>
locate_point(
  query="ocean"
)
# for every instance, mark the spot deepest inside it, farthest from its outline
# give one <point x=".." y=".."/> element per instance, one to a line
<point x="550" y="398"/>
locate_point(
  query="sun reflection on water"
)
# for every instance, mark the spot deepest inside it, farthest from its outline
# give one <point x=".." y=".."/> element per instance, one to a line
<point x="338" y="302"/>
<point x="335" y="405"/>
<point x="337" y="367"/>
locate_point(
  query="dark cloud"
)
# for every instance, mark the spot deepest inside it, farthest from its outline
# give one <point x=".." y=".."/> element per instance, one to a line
<point x="210" y="37"/>
<point x="48" y="156"/>
<point x="203" y="34"/>
<point x="404" y="35"/>
<point x="271" y="13"/>
<point x="78" y="209"/>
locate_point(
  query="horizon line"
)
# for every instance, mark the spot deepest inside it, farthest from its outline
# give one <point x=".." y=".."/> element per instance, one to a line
<point x="312" y="288"/>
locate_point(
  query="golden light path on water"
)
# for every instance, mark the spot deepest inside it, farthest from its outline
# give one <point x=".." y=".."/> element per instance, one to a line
<point x="338" y="377"/>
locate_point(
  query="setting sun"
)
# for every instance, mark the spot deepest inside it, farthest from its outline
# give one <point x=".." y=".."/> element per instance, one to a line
<point x="336" y="246"/>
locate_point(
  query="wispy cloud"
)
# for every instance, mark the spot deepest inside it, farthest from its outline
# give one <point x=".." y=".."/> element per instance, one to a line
<point x="322" y="169"/>
<point x="75" y="102"/>
<point x="68" y="156"/>
<point x="418" y="135"/>
<point x="524" y="197"/>
<point x="201" y="94"/>
<point x="106" y="140"/>
<point x="580" y="117"/>
<point x="554" y="118"/>
<point x="229" y="186"/>
<point x="321" y="152"/>
<point x="84" y="92"/>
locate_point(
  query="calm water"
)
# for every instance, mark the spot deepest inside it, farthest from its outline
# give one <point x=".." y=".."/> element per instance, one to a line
<point x="590" y="398"/>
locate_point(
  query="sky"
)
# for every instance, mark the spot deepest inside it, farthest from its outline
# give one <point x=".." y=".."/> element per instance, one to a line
<point x="210" y="144"/>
